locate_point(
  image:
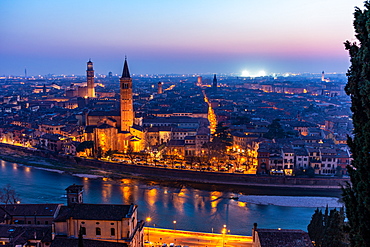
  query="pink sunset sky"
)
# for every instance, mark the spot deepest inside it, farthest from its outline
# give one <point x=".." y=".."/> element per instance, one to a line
<point x="169" y="36"/>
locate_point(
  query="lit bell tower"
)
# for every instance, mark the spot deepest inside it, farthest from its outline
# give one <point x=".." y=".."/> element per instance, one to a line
<point x="90" y="80"/>
<point x="126" y="106"/>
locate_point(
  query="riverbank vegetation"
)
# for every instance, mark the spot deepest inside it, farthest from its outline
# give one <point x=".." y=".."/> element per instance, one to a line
<point x="329" y="228"/>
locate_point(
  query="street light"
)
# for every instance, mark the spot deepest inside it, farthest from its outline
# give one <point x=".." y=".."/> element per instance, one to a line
<point x="174" y="225"/>
<point x="223" y="235"/>
<point x="148" y="219"/>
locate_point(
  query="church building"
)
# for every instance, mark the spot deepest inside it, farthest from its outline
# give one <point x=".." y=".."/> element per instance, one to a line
<point x="115" y="130"/>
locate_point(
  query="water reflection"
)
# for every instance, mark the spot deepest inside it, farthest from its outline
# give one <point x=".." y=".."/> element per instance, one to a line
<point x="192" y="209"/>
<point x="107" y="193"/>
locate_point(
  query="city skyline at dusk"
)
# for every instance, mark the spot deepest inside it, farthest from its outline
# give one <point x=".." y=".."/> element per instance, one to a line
<point x="175" y="37"/>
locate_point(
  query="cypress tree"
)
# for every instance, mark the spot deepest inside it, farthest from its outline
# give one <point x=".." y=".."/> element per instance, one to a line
<point x="80" y="238"/>
<point x="327" y="229"/>
<point x="334" y="234"/>
<point x="357" y="194"/>
<point x="316" y="227"/>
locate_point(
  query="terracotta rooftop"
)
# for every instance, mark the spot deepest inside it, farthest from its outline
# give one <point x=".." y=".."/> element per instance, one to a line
<point x="95" y="212"/>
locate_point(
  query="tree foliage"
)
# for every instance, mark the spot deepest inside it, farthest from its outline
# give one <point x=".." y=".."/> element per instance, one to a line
<point x="357" y="194"/>
<point x="86" y="145"/>
<point x="328" y="229"/>
<point x="316" y="227"/>
<point x="222" y="134"/>
<point x="8" y="195"/>
<point x="80" y="238"/>
<point x="276" y="131"/>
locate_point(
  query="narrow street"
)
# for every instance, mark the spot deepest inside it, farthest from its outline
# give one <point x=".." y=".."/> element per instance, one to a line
<point x="211" y="114"/>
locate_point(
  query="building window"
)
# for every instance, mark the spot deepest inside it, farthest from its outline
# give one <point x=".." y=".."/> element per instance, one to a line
<point x="112" y="232"/>
<point x="98" y="231"/>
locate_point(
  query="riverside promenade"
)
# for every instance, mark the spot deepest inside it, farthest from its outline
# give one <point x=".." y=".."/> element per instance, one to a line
<point x="158" y="236"/>
<point x="77" y="165"/>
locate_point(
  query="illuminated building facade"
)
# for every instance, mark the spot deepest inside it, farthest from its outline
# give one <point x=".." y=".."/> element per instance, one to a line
<point x="160" y="87"/>
<point x="126" y="104"/>
<point x="199" y="81"/>
<point x="115" y="130"/>
<point x="90" y="80"/>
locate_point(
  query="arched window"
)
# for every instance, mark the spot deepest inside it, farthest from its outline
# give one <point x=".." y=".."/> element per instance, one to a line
<point x="98" y="231"/>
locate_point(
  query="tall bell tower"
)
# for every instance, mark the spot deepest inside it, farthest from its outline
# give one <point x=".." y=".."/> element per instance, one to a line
<point x="126" y="107"/>
<point x="90" y="80"/>
<point x="214" y="84"/>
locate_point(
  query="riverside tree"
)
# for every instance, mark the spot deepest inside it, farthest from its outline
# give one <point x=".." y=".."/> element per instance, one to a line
<point x="328" y="229"/>
<point x="8" y="195"/>
<point x="357" y="194"/>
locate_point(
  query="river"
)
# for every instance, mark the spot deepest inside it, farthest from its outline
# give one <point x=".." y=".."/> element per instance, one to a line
<point x="192" y="208"/>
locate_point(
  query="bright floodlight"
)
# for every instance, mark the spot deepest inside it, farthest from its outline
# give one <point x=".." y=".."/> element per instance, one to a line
<point x="245" y="73"/>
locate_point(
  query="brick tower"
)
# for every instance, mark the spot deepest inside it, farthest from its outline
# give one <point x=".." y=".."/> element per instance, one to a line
<point x="90" y="80"/>
<point x="126" y="107"/>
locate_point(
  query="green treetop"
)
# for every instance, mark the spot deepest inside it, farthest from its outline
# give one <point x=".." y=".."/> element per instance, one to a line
<point x="357" y="195"/>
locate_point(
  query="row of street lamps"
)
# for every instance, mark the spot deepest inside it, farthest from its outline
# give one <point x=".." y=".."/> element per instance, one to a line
<point x="224" y="229"/>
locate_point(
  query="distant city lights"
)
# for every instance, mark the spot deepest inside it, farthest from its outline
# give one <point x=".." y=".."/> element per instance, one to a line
<point x="246" y="73"/>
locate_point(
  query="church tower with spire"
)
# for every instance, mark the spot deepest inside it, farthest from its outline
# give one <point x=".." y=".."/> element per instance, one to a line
<point x="214" y="85"/>
<point x="90" y="80"/>
<point x="126" y="104"/>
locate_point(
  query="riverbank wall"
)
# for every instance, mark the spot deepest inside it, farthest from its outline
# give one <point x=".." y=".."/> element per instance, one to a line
<point x="168" y="174"/>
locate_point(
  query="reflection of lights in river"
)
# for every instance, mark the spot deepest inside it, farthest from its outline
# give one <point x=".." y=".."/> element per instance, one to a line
<point x="126" y="193"/>
<point x="152" y="196"/>
<point x="126" y="181"/>
<point x="180" y="200"/>
<point x="215" y="196"/>
<point x="107" y="192"/>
